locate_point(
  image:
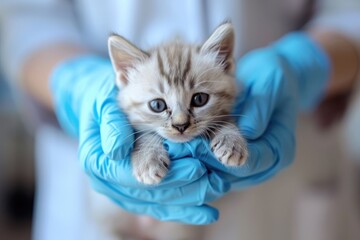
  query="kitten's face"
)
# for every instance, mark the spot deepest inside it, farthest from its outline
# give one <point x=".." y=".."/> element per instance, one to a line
<point x="178" y="91"/>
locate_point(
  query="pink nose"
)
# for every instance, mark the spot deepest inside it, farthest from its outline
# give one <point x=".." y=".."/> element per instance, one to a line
<point x="181" y="127"/>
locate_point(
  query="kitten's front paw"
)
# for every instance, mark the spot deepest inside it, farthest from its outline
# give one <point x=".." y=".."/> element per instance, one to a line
<point x="150" y="168"/>
<point x="231" y="149"/>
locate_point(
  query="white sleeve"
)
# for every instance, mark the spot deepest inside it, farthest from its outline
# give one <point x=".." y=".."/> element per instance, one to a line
<point x="29" y="25"/>
<point x="340" y="15"/>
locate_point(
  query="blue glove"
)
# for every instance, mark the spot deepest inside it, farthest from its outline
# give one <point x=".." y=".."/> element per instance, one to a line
<point x="85" y="104"/>
<point x="278" y="81"/>
<point x="283" y="78"/>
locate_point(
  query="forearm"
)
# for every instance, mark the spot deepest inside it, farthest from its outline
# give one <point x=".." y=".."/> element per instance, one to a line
<point x="37" y="69"/>
<point x="344" y="59"/>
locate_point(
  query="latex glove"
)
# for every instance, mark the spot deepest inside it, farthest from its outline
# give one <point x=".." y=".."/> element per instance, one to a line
<point x="276" y="81"/>
<point x="86" y="106"/>
<point x="287" y="76"/>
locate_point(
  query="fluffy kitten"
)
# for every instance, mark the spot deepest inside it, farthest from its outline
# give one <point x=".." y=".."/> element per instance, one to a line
<point x="178" y="91"/>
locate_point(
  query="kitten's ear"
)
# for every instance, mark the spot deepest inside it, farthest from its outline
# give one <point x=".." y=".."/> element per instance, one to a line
<point x="124" y="56"/>
<point x="221" y="42"/>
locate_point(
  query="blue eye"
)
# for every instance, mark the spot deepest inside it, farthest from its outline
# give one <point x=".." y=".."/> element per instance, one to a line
<point x="199" y="99"/>
<point x="157" y="105"/>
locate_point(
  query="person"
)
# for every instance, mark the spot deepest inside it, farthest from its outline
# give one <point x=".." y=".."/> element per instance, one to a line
<point x="56" y="52"/>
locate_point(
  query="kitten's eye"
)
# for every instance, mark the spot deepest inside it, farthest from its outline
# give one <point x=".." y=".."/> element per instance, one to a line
<point x="199" y="99"/>
<point x="157" y="105"/>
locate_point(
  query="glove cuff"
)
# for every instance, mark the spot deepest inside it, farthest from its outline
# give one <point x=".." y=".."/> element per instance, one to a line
<point x="310" y="63"/>
<point x="68" y="86"/>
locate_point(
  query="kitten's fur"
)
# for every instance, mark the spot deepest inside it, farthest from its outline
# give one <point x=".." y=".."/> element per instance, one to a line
<point x="181" y="76"/>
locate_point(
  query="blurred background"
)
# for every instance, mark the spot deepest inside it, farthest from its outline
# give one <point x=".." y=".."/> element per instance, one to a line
<point x="16" y="169"/>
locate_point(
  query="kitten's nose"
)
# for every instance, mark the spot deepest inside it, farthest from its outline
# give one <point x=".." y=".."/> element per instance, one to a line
<point x="181" y="127"/>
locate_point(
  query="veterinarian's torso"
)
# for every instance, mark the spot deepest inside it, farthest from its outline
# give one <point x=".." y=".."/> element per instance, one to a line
<point x="146" y="23"/>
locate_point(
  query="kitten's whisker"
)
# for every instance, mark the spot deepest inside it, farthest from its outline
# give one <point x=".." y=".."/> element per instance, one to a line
<point x="226" y="115"/>
<point x="205" y="134"/>
<point x="231" y="115"/>
<point x="142" y="135"/>
<point x="135" y="132"/>
<point x="220" y="123"/>
<point x="219" y="127"/>
<point x="209" y="129"/>
<point x="138" y="124"/>
<point x="143" y="147"/>
<point x="210" y="118"/>
<point x="151" y="144"/>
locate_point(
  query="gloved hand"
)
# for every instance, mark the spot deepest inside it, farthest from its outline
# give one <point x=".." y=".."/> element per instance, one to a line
<point x="273" y="78"/>
<point x="86" y="106"/>
<point x="277" y="80"/>
<point x="280" y="80"/>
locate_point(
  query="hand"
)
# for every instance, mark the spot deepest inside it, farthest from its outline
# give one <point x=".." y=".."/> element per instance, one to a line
<point x="86" y="106"/>
<point x="276" y="82"/>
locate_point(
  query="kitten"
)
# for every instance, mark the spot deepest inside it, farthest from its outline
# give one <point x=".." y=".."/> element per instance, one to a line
<point x="178" y="91"/>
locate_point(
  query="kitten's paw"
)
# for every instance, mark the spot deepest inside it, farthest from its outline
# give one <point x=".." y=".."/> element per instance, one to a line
<point x="231" y="149"/>
<point x="150" y="168"/>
